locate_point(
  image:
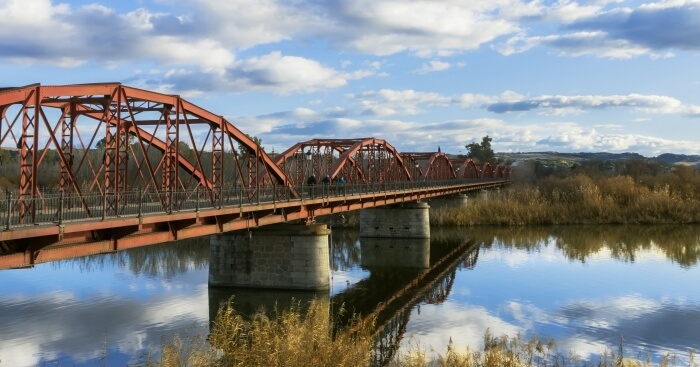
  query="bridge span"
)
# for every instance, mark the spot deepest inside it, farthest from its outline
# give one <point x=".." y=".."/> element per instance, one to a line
<point x="96" y="168"/>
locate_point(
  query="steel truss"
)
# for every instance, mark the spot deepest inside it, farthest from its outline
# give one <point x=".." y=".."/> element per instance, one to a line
<point x="361" y="161"/>
<point x="114" y="139"/>
<point x="430" y="166"/>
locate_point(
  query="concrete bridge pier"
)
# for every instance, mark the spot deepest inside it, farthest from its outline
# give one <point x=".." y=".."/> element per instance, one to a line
<point x="405" y="220"/>
<point x="449" y="201"/>
<point x="395" y="252"/>
<point x="281" y="256"/>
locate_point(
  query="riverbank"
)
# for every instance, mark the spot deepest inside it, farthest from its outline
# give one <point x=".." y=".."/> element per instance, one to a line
<point x="671" y="197"/>
<point x="580" y="200"/>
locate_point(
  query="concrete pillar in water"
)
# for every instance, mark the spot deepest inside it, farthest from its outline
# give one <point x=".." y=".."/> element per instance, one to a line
<point x="405" y="220"/>
<point x="449" y="201"/>
<point x="282" y="256"/>
<point x="395" y="252"/>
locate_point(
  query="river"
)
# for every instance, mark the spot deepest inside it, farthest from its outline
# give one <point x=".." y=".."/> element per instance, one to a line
<point x="589" y="288"/>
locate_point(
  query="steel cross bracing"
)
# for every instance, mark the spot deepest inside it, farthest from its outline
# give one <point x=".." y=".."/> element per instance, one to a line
<point x="430" y="166"/>
<point x="366" y="160"/>
<point x="92" y="168"/>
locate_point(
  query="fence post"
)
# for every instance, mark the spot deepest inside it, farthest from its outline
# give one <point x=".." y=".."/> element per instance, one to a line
<point x="196" y="205"/>
<point x="60" y="209"/>
<point x="170" y="200"/>
<point x="240" y="196"/>
<point x="140" y="213"/>
<point x="8" y="195"/>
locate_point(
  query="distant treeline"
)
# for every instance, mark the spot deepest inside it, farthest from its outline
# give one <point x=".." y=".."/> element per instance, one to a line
<point x="86" y="163"/>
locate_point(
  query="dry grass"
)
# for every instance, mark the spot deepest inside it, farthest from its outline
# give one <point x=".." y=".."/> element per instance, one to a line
<point x="287" y="338"/>
<point x="582" y="200"/>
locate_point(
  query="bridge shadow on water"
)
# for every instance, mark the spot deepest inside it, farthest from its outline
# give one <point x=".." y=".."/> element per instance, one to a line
<point x="401" y="274"/>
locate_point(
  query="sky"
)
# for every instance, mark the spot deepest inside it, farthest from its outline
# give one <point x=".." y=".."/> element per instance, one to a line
<point x="566" y="76"/>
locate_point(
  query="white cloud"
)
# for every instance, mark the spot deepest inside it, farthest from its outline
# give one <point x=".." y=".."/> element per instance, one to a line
<point x="563" y="104"/>
<point x="576" y="44"/>
<point x="591" y="140"/>
<point x="284" y="74"/>
<point x="248" y="23"/>
<point x="388" y="102"/>
<point x="274" y="72"/>
<point x="424" y="28"/>
<point x="432" y="66"/>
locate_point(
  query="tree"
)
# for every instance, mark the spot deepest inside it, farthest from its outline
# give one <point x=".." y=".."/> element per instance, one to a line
<point x="243" y="150"/>
<point x="481" y="152"/>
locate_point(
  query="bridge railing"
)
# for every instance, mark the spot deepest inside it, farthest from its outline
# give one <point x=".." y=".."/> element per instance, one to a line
<point x="59" y="207"/>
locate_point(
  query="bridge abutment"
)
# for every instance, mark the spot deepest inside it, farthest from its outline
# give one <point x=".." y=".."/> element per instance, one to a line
<point x="405" y="220"/>
<point x="282" y="256"/>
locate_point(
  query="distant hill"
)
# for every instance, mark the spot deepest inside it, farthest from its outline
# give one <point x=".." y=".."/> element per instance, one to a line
<point x="671" y="158"/>
<point x="666" y="158"/>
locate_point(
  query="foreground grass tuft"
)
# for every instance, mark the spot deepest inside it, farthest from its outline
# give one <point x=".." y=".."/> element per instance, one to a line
<point x="287" y="338"/>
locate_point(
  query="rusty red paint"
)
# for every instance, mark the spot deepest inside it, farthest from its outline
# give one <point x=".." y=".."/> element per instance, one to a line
<point x="70" y="119"/>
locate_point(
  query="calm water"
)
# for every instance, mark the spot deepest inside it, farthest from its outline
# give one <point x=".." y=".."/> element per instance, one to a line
<point x="587" y="287"/>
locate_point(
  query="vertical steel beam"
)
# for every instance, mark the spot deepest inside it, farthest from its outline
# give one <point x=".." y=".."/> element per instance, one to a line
<point x="217" y="160"/>
<point x="67" y="132"/>
<point x="170" y="168"/>
<point x="123" y="126"/>
<point x="109" y="159"/>
<point x="28" y="147"/>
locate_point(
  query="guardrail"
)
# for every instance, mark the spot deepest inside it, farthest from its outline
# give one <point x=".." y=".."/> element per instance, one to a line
<point x="60" y="207"/>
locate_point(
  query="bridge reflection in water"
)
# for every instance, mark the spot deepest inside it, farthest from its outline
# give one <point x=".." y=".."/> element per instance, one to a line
<point x="401" y="274"/>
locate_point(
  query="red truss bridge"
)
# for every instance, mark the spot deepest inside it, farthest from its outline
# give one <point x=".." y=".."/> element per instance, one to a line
<point x="96" y="168"/>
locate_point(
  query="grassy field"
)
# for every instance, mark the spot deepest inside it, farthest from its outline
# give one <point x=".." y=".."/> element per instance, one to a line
<point x="673" y="197"/>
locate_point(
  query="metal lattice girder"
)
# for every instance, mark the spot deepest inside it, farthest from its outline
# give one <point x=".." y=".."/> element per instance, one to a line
<point x="429" y="166"/>
<point x="131" y="139"/>
<point x="467" y="169"/>
<point x="486" y="169"/>
<point x="367" y="160"/>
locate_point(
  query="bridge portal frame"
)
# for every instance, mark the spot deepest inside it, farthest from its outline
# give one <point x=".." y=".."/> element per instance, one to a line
<point x="126" y="125"/>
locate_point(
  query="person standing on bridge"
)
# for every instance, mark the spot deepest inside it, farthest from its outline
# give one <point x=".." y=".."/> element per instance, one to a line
<point x="311" y="182"/>
<point x="341" y="184"/>
<point x="326" y="183"/>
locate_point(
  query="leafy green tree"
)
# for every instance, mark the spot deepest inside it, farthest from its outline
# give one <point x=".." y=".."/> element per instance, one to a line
<point x="481" y="151"/>
<point x="243" y="150"/>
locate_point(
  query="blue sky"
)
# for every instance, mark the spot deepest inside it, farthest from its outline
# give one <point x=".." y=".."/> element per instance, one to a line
<point x="605" y="75"/>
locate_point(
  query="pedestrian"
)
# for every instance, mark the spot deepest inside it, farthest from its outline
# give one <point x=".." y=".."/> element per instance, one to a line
<point x="311" y="182"/>
<point x="341" y="183"/>
<point x="326" y="183"/>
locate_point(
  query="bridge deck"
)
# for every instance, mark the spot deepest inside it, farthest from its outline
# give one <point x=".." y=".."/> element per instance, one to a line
<point x="59" y="231"/>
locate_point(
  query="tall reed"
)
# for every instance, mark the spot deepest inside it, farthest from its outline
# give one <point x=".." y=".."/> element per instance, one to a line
<point x="581" y="200"/>
<point x="292" y="337"/>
